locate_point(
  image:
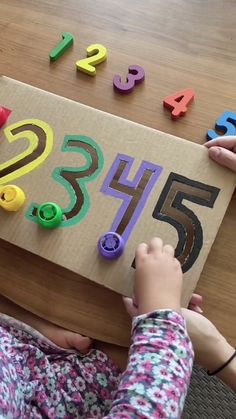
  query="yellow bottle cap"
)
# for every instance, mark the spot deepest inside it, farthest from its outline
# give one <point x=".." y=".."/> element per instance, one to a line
<point x="11" y="197"/>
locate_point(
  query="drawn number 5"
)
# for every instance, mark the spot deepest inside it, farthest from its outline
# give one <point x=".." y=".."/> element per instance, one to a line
<point x="225" y="123"/>
<point x="170" y="209"/>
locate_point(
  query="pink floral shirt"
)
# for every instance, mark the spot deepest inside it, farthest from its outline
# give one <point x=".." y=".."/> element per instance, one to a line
<point x="156" y="380"/>
<point x="40" y="380"/>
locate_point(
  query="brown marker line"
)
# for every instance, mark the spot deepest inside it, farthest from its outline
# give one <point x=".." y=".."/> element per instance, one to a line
<point x="135" y="193"/>
<point x="178" y="215"/>
<point x="72" y="177"/>
<point x="42" y="141"/>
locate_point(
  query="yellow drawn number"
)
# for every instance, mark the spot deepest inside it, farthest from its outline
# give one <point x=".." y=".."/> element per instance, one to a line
<point x="40" y="137"/>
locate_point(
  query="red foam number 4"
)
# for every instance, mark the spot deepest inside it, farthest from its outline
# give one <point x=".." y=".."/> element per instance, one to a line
<point x="178" y="102"/>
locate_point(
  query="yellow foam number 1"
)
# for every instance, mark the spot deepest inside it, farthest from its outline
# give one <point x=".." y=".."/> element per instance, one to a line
<point x="96" y="53"/>
<point x="40" y="137"/>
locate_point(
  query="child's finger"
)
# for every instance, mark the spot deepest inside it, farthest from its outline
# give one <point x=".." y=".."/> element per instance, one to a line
<point x="131" y="309"/>
<point x="142" y="250"/>
<point x="224" y="157"/>
<point x="228" y="142"/>
<point x="194" y="303"/>
<point x="155" y="245"/>
<point x="196" y="299"/>
<point x="76" y="341"/>
<point x="195" y="308"/>
<point x="169" y="249"/>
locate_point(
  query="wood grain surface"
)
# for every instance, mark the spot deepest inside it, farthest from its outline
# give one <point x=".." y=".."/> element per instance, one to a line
<point x="180" y="43"/>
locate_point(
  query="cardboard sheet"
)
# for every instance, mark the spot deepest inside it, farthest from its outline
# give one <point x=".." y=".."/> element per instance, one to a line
<point x="107" y="174"/>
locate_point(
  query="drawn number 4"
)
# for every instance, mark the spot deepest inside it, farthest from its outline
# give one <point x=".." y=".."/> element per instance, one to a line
<point x="170" y="209"/>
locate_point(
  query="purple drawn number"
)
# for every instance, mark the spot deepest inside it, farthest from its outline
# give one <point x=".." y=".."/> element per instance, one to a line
<point x="136" y="75"/>
<point x="134" y="193"/>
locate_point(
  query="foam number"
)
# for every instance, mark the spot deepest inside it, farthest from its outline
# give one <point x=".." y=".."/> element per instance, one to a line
<point x="178" y="102"/>
<point x="4" y="114"/>
<point x="96" y="53"/>
<point x="136" y="75"/>
<point x="133" y="193"/>
<point x="170" y="209"/>
<point x="64" y="44"/>
<point x="40" y="138"/>
<point x="74" y="179"/>
<point x="226" y="123"/>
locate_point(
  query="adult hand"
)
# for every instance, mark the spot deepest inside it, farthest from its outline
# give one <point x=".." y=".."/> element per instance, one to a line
<point x="223" y="151"/>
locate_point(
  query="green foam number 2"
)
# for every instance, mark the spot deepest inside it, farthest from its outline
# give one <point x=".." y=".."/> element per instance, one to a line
<point x="74" y="179"/>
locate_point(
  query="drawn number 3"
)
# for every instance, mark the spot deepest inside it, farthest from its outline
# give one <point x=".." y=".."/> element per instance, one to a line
<point x="170" y="209"/>
<point x="74" y="179"/>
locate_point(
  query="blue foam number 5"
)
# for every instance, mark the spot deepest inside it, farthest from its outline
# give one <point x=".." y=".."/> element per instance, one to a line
<point x="225" y="123"/>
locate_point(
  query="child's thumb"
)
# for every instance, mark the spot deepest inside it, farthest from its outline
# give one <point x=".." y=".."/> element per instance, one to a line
<point x="130" y="307"/>
<point x="224" y="157"/>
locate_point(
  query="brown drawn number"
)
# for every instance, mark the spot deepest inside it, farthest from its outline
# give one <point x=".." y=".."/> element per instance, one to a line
<point x="136" y="193"/>
<point x="40" y="142"/>
<point x="170" y="209"/>
<point x="74" y="179"/>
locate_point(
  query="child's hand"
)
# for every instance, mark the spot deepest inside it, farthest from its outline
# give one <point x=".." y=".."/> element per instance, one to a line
<point x="223" y="151"/>
<point x="210" y="347"/>
<point x="158" y="279"/>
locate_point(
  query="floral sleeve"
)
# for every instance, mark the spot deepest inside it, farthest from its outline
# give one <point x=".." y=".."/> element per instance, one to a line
<point x="156" y="380"/>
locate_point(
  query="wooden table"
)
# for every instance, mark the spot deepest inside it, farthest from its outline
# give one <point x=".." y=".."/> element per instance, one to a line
<point x="180" y="43"/>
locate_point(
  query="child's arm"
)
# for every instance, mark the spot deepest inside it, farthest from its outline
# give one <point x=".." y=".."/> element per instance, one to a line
<point x="155" y="382"/>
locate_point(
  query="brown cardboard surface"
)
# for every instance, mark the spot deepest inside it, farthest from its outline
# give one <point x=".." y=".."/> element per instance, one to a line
<point x="75" y="247"/>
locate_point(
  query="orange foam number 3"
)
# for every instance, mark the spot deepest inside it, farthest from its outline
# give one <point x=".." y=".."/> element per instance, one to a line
<point x="96" y="53"/>
<point x="178" y="102"/>
<point x="40" y="138"/>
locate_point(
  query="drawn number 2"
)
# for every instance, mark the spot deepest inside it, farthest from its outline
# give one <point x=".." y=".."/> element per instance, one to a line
<point x="40" y="138"/>
<point x="97" y="53"/>
<point x="170" y="209"/>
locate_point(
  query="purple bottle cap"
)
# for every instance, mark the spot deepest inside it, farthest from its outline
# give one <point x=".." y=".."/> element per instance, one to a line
<point x="111" y="245"/>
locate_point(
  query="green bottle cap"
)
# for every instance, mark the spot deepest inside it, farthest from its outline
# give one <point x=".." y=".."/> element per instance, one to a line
<point x="49" y="215"/>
